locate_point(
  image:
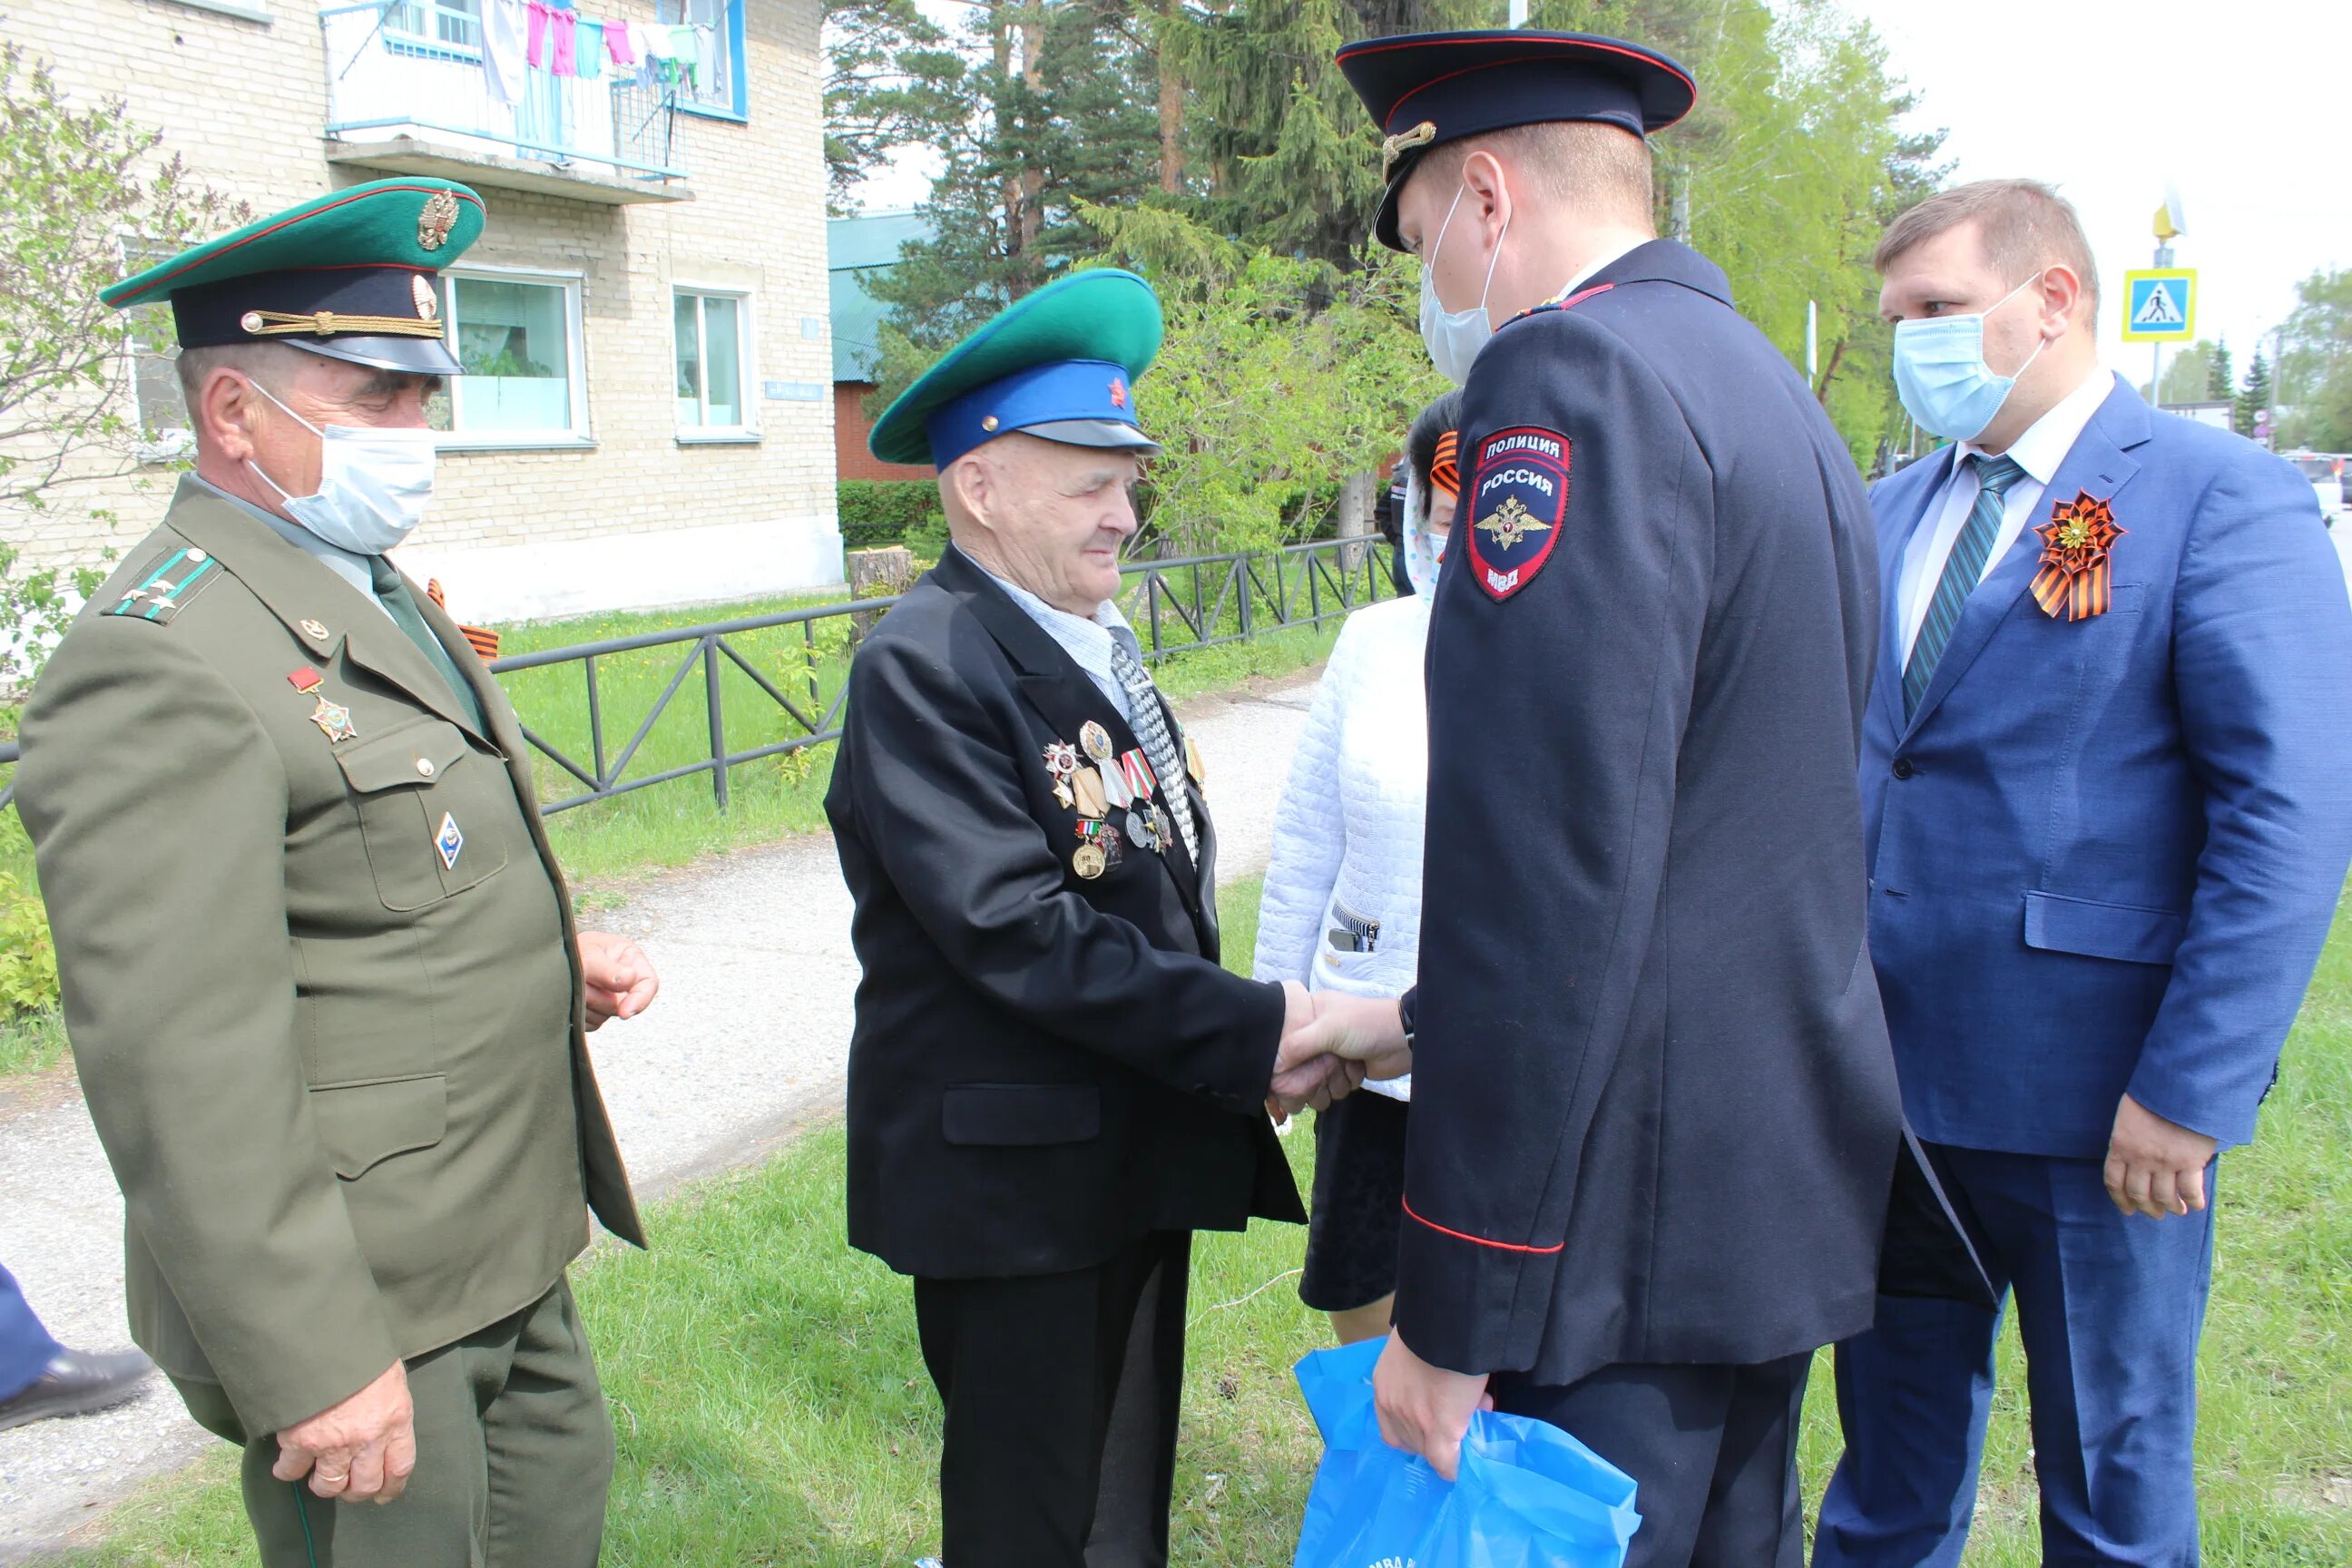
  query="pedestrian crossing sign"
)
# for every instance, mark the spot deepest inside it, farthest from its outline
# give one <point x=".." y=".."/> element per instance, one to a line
<point x="2160" y="305"/>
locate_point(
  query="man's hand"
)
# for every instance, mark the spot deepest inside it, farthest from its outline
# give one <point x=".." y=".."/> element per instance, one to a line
<point x="360" y="1450"/>
<point x="619" y="978"/>
<point x="1363" y="1030"/>
<point x="1305" y="1078"/>
<point x="1427" y="1409"/>
<point x="2156" y="1167"/>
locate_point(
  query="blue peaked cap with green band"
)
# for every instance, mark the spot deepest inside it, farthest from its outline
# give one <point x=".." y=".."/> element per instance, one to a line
<point x="1059" y="363"/>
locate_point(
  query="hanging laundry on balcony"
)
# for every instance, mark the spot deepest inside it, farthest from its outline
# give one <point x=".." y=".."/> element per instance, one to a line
<point x="706" y="55"/>
<point x="669" y="55"/>
<point x="649" y="41"/>
<point x="555" y="40"/>
<point x="590" y="50"/>
<point x="624" y="53"/>
<point x="504" y="57"/>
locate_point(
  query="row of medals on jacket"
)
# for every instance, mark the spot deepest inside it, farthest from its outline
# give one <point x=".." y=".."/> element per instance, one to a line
<point x="1098" y="783"/>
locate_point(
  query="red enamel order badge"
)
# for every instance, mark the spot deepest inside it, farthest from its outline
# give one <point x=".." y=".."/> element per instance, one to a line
<point x="1517" y="502"/>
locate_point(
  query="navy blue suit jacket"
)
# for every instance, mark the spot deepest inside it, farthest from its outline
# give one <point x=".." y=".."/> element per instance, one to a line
<point x="2104" y="853"/>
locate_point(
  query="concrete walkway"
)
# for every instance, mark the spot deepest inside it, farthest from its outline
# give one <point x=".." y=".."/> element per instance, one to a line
<point x="746" y="1043"/>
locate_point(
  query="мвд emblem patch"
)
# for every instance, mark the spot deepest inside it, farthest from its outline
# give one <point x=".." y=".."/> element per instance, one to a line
<point x="1519" y="503"/>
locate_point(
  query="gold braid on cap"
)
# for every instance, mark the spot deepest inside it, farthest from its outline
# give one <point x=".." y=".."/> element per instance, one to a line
<point x="326" y="324"/>
<point x="1404" y="142"/>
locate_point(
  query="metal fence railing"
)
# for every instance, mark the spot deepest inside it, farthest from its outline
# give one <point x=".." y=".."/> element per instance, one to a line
<point x="1196" y="602"/>
<point x="799" y="675"/>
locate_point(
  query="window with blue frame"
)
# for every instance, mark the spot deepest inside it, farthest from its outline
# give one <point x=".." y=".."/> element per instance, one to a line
<point x="716" y="85"/>
<point x="452" y="24"/>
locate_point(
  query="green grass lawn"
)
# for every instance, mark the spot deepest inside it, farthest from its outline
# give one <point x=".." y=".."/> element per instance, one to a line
<point x="772" y="1408"/>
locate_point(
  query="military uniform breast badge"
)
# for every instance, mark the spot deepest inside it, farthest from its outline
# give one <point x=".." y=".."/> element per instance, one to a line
<point x="1099" y="850"/>
<point x="334" y="720"/>
<point x="1061" y="761"/>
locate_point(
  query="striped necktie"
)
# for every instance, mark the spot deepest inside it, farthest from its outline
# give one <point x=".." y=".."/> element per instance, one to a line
<point x="1151" y="728"/>
<point x="1964" y="568"/>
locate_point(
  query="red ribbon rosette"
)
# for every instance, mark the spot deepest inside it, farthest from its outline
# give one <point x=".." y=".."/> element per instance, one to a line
<point x="2075" y="545"/>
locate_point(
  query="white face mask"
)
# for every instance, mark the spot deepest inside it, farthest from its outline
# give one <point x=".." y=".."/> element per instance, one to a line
<point x="1424" y="549"/>
<point x="1454" y="337"/>
<point x="373" y="485"/>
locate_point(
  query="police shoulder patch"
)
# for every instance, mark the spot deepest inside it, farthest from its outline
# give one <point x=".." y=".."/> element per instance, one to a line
<point x="1518" y="504"/>
<point x="160" y="590"/>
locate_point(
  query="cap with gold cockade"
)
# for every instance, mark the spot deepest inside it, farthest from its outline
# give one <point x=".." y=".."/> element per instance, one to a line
<point x="349" y="275"/>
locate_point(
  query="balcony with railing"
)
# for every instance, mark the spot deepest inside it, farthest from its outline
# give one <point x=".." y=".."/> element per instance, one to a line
<point x="407" y="93"/>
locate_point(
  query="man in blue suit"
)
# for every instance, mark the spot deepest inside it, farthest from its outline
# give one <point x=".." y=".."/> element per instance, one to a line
<point x="2104" y="782"/>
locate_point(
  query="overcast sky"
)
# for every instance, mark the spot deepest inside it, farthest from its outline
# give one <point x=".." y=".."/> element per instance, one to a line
<point x="2242" y="103"/>
<point x="2246" y="105"/>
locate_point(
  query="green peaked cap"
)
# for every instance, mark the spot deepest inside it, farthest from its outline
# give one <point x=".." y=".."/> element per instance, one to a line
<point x="420" y="223"/>
<point x="1102" y="316"/>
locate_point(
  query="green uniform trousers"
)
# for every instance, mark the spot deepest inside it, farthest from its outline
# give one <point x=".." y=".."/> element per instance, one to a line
<point x="514" y="1456"/>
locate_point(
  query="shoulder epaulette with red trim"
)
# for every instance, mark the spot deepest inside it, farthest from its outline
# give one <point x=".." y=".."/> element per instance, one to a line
<point x="1566" y="302"/>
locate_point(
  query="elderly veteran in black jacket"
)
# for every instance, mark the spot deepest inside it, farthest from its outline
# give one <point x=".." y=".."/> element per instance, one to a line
<point x="1052" y="1082"/>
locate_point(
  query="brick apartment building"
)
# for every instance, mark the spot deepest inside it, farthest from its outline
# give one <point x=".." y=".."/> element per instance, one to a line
<point x="647" y="417"/>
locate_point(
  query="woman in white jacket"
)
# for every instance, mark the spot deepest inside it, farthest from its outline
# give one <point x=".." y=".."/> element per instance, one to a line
<point x="1341" y="907"/>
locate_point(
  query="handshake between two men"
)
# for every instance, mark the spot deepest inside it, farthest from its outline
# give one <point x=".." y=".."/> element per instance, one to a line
<point x="1331" y="1042"/>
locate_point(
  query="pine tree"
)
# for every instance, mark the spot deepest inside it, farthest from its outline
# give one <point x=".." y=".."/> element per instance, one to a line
<point x="1059" y="112"/>
<point x="2219" y="374"/>
<point x="2254" y="401"/>
<point x="892" y="79"/>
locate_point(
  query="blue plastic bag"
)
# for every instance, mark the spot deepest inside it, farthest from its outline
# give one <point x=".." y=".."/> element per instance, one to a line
<point x="1372" y="1504"/>
<point x="1528" y="1496"/>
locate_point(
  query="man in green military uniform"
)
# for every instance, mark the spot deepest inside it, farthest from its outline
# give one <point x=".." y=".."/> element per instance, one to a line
<point x="322" y="977"/>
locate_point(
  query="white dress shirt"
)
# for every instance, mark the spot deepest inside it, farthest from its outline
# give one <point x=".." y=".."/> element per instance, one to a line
<point x="2038" y="452"/>
<point x="1610" y="259"/>
<point x="1086" y="639"/>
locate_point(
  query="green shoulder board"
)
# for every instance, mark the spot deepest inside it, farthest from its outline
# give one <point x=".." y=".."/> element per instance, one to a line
<point x="175" y="580"/>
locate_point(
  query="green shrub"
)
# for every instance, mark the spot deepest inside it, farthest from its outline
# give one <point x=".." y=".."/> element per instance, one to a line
<point x="28" y="962"/>
<point x="877" y="513"/>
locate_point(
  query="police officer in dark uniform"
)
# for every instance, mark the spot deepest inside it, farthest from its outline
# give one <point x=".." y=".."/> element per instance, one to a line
<point x="1655" y="1118"/>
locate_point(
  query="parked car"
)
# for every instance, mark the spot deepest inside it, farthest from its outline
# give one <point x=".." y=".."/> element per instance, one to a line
<point x="2326" y="472"/>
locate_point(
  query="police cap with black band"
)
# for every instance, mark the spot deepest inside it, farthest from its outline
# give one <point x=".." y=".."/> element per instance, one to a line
<point x="1424" y="89"/>
<point x="349" y="275"/>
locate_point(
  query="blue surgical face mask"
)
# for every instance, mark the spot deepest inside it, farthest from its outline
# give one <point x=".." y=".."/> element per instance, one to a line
<point x="1454" y="337"/>
<point x="1941" y="373"/>
<point x="373" y="484"/>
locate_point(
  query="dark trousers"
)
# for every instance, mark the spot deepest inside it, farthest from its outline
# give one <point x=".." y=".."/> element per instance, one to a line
<point x="1061" y="1393"/>
<point x="514" y="1456"/>
<point x="1712" y="1451"/>
<point x="26" y="1347"/>
<point x="2109" y="1307"/>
